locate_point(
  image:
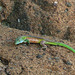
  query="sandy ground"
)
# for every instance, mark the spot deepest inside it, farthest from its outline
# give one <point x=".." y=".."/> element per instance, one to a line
<point x="31" y="59"/>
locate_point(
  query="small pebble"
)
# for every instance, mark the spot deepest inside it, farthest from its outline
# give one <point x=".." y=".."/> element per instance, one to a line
<point x="68" y="4"/>
<point x="17" y="57"/>
<point x="27" y="52"/>
<point x="24" y="44"/>
<point x="44" y="49"/>
<point x="29" y="71"/>
<point x="11" y="67"/>
<point x="55" y="3"/>
<point x="67" y="62"/>
<point x="39" y="25"/>
<point x="64" y="68"/>
<point x="10" y="30"/>
<point x="52" y="63"/>
<point x="44" y="54"/>
<point x="21" y="47"/>
<point x="49" y="58"/>
<point x="18" y="20"/>
<point x="9" y="40"/>
<point x="58" y="31"/>
<point x="56" y="58"/>
<point x="39" y="56"/>
<point x="31" y="67"/>
<point x="31" y="59"/>
<point x="66" y="10"/>
<point x="1" y="69"/>
<point x="16" y="47"/>
<point x="42" y="32"/>
<point x="0" y="37"/>
<point x="1" y="8"/>
<point x="50" y="21"/>
<point x="50" y="71"/>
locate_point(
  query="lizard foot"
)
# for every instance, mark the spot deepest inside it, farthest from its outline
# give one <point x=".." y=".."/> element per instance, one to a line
<point x="42" y="43"/>
<point x="26" y="41"/>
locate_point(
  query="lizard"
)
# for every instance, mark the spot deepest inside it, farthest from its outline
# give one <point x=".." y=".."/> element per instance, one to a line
<point x="41" y="41"/>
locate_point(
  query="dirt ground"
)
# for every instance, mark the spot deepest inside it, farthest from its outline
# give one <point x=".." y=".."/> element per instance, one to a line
<point x="31" y="60"/>
<point x="37" y="18"/>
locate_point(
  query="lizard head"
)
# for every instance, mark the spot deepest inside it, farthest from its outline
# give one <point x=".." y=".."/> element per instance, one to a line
<point x="20" y="40"/>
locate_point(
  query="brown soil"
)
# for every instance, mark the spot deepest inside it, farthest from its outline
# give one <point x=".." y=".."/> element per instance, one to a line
<point x="41" y="18"/>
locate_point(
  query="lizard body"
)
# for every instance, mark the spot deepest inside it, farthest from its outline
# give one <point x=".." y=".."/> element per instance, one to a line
<point x="41" y="41"/>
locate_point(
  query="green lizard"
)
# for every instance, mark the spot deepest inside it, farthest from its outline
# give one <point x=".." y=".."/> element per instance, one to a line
<point x="41" y="41"/>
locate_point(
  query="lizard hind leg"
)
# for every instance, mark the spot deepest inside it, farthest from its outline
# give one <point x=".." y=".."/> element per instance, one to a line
<point x="42" y="43"/>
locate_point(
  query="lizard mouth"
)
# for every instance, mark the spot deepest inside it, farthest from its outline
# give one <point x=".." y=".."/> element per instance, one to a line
<point x="16" y="43"/>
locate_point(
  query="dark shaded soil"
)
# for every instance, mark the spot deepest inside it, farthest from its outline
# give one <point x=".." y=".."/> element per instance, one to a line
<point x="41" y="17"/>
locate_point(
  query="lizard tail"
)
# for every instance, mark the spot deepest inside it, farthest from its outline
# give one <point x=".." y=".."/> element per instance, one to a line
<point x="61" y="44"/>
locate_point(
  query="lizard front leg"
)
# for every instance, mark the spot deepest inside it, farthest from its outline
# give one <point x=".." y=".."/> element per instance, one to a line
<point x="42" y="43"/>
<point x="26" y="41"/>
